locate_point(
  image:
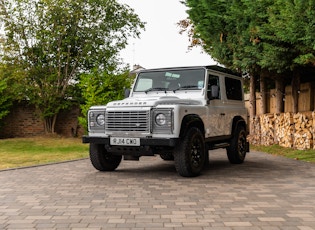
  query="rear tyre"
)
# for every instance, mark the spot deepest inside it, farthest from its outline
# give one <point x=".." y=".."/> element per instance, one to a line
<point x="236" y="152"/>
<point x="190" y="155"/>
<point x="103" y="160"/>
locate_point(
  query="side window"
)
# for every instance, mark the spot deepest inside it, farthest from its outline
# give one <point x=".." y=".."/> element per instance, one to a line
<point x="213" y="87"/>
<point x="233" y="89"/>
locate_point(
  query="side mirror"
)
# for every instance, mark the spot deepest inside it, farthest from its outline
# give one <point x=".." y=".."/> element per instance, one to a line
<point x="127" y="93"/>
<point x="215" y="91"/>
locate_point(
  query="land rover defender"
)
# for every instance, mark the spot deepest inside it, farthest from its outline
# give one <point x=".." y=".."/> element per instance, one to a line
<point x="177" y="113"/>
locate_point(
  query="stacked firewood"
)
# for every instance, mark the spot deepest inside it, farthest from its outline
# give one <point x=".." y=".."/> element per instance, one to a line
<point x="303" y="130"/>
<point x="284" y="129"/>
<point x="267" y="129"/>
<point x="254" y="136"/>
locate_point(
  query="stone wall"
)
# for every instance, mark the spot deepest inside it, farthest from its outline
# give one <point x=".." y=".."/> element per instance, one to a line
<point x="24" y="121"/>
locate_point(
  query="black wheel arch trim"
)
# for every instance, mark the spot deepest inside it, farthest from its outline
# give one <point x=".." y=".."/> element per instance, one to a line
<point x="238" y="120"/>
<point x="191" y="120"/>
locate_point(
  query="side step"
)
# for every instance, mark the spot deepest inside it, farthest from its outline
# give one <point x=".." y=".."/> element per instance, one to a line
<point x="219" y="146"/>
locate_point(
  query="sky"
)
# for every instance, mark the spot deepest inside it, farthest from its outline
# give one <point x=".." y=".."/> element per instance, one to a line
<point x="161" y="45"/>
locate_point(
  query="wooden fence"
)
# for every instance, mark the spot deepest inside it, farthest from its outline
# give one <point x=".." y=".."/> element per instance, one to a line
<point x="306" y="99"/>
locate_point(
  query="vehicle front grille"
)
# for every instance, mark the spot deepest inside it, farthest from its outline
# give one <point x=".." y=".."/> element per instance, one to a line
<point x="138" y="121"/>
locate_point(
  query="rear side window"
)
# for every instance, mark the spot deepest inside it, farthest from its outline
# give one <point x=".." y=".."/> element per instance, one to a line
<point x="233" y="89"/>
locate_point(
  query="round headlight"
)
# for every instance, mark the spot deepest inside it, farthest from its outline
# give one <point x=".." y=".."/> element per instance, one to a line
<point x="160" y="119"/>
<point x="100" y="119"/>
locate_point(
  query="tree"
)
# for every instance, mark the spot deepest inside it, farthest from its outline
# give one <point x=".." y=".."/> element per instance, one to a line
<point x="5" y="100"/>
<point x="55" y="41"/>
<point x="258" y="37"/>
<point x="101" y="87"/>
<point x="9" y="88"/>
<point x="288" y="40"/>
<point x="226" y="30"/>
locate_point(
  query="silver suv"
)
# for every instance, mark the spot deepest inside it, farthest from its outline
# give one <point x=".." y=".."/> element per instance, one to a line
<point x="177" y="113"/>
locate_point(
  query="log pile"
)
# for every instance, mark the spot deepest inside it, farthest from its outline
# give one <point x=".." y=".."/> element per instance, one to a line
<point x="286" y="129"/>
<point x="303" y="131"/>
<point x="254" y="137"/>
<point x="267" y="129"/>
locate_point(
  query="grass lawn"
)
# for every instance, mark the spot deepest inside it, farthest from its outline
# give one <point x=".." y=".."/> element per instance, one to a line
<point x="303" y="155"/>
<point x="19" y="152"/>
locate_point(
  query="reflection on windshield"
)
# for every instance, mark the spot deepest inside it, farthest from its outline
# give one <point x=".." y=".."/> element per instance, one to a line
<point x="170" y="80"/>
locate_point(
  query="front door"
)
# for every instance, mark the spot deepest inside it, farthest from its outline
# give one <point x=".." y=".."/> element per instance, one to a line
<point x="216" y="123"/>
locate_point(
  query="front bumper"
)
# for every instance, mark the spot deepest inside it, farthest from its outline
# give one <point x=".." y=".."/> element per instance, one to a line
<point x="171" y="142"/>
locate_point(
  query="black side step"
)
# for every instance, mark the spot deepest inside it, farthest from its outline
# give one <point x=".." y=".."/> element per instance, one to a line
<point x="219" y="146"/>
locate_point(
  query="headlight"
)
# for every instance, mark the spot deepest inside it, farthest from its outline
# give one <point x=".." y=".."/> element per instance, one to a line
<point x="160" y="119"/>
<point x="163" y="121"/>
<point x="91" y="118"/>
<point x="100" y="120"/>
<point x="96" y="120"/>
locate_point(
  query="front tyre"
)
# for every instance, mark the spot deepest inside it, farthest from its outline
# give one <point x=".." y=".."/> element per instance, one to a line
<point x="102" y="160"/>
<point x="236" y="152"/>
<point x="190" y="155"/>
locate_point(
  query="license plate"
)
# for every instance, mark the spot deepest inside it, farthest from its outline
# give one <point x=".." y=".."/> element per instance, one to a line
<point x="127" y="141"/>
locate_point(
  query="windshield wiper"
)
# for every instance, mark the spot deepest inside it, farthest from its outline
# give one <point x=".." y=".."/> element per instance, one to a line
<point x="156" y="89"/>
<point x="186" y="87"/>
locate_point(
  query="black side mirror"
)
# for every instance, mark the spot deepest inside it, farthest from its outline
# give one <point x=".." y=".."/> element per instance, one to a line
<point x="214" y="91"/>
<point x="127" y="93"/>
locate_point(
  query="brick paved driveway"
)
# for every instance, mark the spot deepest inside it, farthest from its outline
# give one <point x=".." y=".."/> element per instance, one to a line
<point x="266" y="192"/>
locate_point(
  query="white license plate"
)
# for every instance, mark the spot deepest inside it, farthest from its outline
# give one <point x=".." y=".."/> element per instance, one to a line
<point x="127" y="141"/>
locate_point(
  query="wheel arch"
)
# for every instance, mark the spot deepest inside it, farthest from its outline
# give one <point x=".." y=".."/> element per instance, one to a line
<point x="238" y="121"/>
<point x="191" y="120"/>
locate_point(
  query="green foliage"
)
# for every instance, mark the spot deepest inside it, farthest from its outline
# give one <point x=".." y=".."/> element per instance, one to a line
<point x="55" y="41"/>
<point x="210" y="26"/>
<point x="276" y="35"/>
<point x="5" y="99"/>
<point x="9" y="89"/>
<point x="99" y="88"/>
<point x="289" y="35"/>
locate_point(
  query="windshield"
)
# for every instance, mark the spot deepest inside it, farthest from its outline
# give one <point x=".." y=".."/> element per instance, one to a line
<point x="170" y="80"/>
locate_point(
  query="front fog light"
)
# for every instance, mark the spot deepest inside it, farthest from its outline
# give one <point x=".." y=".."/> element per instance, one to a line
<point x="160" y="119"/>
<point x="100" y="120"/>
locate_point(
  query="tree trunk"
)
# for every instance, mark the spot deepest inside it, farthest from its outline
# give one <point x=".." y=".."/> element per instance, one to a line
<point x="279" y="95"/>
<point x="295" y="91"/>
<point x="252" y="102"/>
<point x="252" y="97"/>
<point x="49" y="124"/>
<point x="263" y="93"/>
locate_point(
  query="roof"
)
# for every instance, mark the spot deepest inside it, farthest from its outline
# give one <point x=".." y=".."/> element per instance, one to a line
<point x="210" y="67"/>
<point x="136" y="69"/>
